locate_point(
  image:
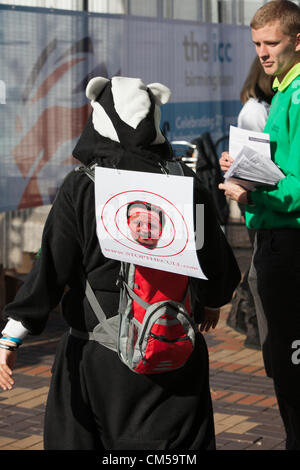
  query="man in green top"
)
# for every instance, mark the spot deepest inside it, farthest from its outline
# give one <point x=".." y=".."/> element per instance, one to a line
<point x="275" y="212"/>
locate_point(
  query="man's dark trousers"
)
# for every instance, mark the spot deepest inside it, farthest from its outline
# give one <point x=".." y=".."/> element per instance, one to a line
<point x="274" y="279"/>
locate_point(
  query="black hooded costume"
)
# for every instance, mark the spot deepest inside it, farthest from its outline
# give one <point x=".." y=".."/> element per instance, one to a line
<point x="95" y="402"/>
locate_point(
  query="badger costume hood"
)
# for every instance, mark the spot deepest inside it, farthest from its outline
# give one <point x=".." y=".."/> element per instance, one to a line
<point x="125" y="121"/>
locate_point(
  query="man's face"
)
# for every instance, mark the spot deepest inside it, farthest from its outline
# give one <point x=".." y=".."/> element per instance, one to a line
<point x="145" y="226"/>
<point x="277" y="51"/>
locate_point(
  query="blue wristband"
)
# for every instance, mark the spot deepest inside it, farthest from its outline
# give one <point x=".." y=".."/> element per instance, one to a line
<point x="14" y="340"/>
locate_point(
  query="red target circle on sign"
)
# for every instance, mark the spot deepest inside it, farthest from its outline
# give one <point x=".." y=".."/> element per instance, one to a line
<point x="112" y="218"/>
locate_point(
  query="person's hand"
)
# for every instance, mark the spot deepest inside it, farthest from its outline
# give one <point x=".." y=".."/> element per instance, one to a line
<point x="211" y="318"/>
<point x="225" y="161"/>
<point x="235" y="192"/>
<point x="7" y="361"/>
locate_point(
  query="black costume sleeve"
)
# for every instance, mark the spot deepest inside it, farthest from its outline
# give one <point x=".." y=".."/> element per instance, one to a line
<point x="59" y="256"/>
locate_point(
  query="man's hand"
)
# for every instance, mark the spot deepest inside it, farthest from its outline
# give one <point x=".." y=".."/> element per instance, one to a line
<point x="7" y="361"/>
<point x="211" y="318"/>
<point x="235" y="192"/>
<point x="225" y="161"/>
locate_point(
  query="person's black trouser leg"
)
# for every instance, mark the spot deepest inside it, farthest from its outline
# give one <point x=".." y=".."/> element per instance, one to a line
<point x="275" y="283"/>
<point x="290" y="413"/>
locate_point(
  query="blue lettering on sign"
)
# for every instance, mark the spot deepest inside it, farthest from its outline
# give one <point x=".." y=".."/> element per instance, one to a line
<point x="221" y="50"/>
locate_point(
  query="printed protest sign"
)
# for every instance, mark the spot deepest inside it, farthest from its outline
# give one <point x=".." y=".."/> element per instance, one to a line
<point x="147" y="219"/>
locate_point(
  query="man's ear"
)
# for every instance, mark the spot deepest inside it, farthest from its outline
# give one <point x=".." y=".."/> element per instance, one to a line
<point x="297" y="48"/>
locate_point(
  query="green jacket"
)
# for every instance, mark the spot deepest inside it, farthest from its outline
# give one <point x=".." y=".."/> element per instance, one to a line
<point x="280" y="206"/>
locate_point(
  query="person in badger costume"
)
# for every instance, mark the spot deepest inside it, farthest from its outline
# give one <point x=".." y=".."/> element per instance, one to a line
<point x="95" y="402"/>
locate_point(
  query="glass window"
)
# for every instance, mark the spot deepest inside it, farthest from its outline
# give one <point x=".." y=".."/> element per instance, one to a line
<point x="211" y="11"/>
<point x="225" y="11"/>
<point x="168" y="9"/>
<point x="59" y="4"/>
<point x="195" y="10"/>
<point x="187" y="10"/>
<point x="143" y="7"/>
<point x="108" y="6"/>
<point x="249" y="9"/>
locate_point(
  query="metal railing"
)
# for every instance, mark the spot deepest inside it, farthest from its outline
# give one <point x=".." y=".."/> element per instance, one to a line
<point x="20" y="231"/>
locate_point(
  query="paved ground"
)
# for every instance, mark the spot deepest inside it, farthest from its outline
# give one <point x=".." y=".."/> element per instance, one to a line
<point x="245" y="409"/>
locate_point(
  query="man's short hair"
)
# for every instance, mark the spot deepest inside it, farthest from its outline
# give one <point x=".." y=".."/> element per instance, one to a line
<point x="148" y="207"/>
<point x="288" y="13"/>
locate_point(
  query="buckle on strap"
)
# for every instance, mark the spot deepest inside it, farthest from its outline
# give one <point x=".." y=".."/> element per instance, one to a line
<point x="81" y="334"/>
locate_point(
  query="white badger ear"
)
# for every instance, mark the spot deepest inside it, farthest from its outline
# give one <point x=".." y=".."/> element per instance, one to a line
<point x="161" y="93"/>
<point x="94" y="87"/>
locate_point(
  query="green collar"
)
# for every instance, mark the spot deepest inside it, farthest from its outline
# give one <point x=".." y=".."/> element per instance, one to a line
<point x="290" y="76"/>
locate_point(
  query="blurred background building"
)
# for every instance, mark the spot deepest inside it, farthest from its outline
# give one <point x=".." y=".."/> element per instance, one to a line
<point x="21" y="225"/>
<point x="216" y="11"/>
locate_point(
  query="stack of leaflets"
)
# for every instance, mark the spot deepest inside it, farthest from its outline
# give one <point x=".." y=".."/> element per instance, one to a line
<point x="252" y="165"/>
<point x="251" y="169"/>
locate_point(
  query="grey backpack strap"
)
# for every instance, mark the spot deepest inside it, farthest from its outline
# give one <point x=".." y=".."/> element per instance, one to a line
<point x="174" y="168"/>
<point x="127" y="272"/>
<point x="135" y="297"/>
<point x="88" y="170"/>
<point x="106" y="331"/>
<point x="94" y="303"/>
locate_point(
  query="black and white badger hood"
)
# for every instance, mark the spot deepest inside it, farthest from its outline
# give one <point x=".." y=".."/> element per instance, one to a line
<point x="125" y="119"/>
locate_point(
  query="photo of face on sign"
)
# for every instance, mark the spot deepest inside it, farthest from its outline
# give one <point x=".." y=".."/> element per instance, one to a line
<point x="145" y="222"/>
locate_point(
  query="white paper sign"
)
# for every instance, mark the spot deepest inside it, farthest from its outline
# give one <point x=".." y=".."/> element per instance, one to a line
<point x="147" y="219"/>
<point x="239" y="138"/>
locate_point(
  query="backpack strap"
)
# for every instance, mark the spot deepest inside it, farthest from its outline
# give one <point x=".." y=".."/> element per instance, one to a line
<point x="124" y="273"/>
<point x="174" y="167"/>
<point x="101" y="317"/>
<point x="142" y="302"/>
<point x="99" y="312"/>
<point x="89" y="170"/>
<point x="135" y="297"/>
